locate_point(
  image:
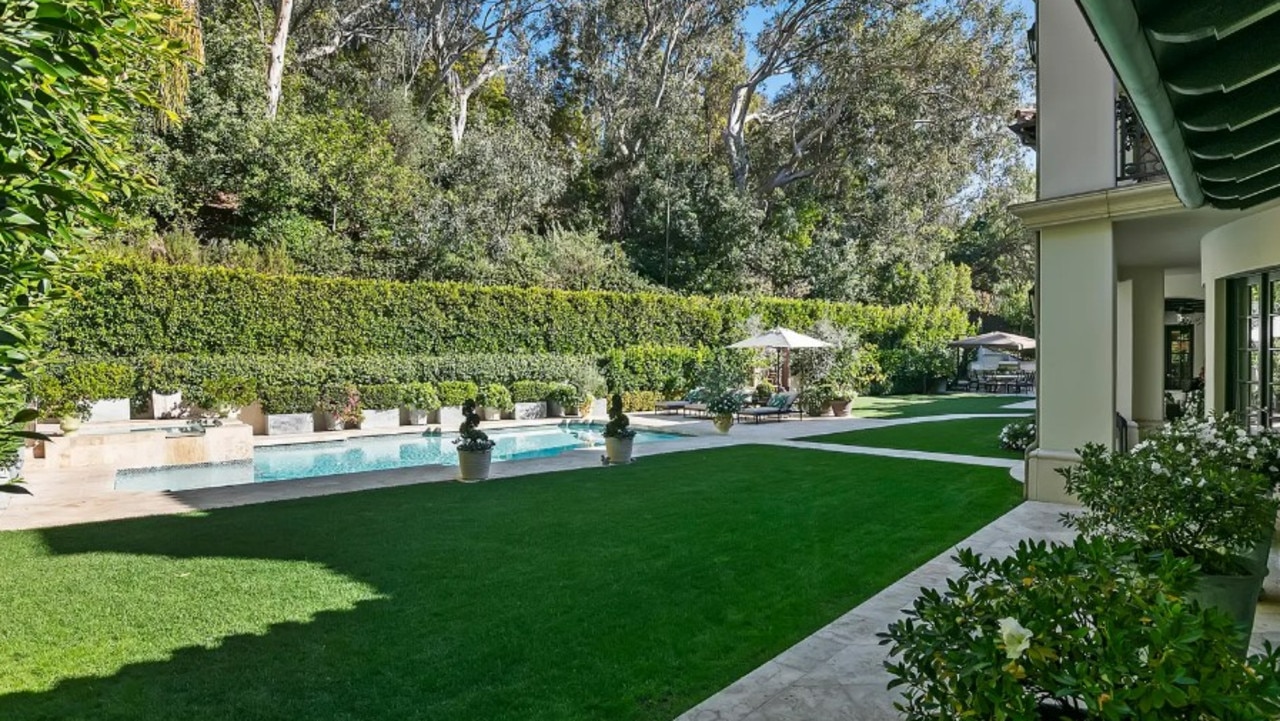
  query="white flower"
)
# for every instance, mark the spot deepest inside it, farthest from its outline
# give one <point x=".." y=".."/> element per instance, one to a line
<point x="1156" y="468"/>
<point x="1180" y="448"/>
<point x="1015" y="637"/>
<point x="1143" y="655"/>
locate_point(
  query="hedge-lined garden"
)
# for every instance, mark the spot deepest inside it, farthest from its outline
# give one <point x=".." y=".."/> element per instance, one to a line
<point x="186" y="329"/>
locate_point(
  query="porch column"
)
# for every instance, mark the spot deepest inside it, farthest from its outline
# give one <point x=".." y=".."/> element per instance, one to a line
<point x="1075" y="350"/>
<point x="1148" y="348"/>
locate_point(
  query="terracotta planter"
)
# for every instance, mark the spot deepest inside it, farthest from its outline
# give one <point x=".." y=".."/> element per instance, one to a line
<point x="618" y="450"/>
<point x="723" y="423"/>
<point x="474" y="465"/>
<point x="840" y="409"/>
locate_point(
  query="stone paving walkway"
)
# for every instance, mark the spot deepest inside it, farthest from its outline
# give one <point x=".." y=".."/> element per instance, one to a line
<point x="837" y="674"/>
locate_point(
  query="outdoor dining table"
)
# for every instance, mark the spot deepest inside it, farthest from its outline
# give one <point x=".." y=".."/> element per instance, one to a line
<point x="999" y="382"/>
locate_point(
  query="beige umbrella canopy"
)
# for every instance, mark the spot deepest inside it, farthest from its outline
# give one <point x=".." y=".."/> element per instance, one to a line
<point x="997" y="340"/>
<point x="784" y="339"/>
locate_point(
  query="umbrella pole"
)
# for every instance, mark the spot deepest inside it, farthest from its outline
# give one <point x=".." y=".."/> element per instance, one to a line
<point x="786" y="368"/>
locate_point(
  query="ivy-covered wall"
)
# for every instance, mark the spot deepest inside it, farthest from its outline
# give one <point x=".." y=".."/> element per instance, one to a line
<point x="133" y="309"/>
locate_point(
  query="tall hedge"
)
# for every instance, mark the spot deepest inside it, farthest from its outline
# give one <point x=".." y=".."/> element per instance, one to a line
<point x="135" y="309"/>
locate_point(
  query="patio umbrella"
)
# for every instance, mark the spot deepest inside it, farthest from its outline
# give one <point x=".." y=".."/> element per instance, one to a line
<point x="783" y="339"/>
<point x="997" y="340"/>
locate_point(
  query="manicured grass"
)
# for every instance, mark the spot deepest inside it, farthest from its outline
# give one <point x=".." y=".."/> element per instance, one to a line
<point x="917" y="406"/>
<point x="968" y="437"/>
<point x="620" y="593"/>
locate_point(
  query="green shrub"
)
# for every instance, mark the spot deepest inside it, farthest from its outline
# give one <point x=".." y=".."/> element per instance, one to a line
<point x="278" y="400"/>
<point x="637" y="401"/>
<point x="381" y="396"/>
<point x="419" y="396"/>
<point x="158" y="374"/>
<point x="619" y="426"/>
<point x="54" y="400"/>
<point x="225" y="393"/>
<point x="565" y="395"/>
<point x="495" y="395"/>
<point x="133" y="308"/>
<point x="96" y="380"/>
<point x="530" y="391"/>
<point x="455" y="393"/>
<point x="672" y="370"/>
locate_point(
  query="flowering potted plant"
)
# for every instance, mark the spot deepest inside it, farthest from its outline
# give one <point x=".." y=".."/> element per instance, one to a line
<point x="722" y="408"/>
<point x="475" y="448"/>
<point x="339" y="407"/>
<point x="618" y="434"/>
<point x="1200" y="489"/>
<point x="1018" y="435"/>
<point x="1090" y="630"/>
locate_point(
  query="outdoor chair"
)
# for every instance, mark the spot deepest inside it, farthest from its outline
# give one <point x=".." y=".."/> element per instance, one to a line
<point x="672" y="407"/>
<point x="780" y="406"/>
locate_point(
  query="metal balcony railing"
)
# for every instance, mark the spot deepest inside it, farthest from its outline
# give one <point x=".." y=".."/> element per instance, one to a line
<point x="1137" y="159"/>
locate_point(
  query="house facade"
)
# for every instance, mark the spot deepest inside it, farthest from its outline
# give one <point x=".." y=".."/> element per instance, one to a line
<point x="1158" y="149"/>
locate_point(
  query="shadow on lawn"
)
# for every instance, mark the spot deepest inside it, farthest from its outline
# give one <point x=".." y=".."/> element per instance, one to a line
<point x="917" y="406"/>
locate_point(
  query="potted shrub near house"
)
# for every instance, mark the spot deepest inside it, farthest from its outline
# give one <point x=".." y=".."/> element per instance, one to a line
<point x="453" y="394"/>
<point x="1194" y="490"/>
<point x="475" y="448"/>
<point x="618" y="434"/>
<point x="288" y="409"/>
<point x="842" y="398"/>
<point x="563" y="400"/>
<point x="224" y="395"/>
<point x="493" y="400"/>
<point x="380" y="406"/>
<point x="159" y="376"/>
<point x="339" y="407"/>
<point x="1091" y="630"/>
<point x="530" y="399"/>
<point x="55" y="401"/>
<point x="417" y="402"/>
<point x="106" y="386"/>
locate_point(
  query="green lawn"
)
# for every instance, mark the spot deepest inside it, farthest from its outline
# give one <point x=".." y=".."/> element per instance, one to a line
<point x="917" y="406"/>
<point x="969" y="437"/>
<point x="620" y="593"/>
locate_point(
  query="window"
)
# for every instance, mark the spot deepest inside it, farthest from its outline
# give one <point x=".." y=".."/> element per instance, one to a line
<point x="1254" y="342"/>
<point x="1179" y="355"/>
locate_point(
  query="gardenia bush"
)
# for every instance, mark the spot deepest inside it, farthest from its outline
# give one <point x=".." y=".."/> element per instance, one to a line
<point x="1202" y="489"/>
<point x="1085" y="631"/>
<point x="1019" y="435"/>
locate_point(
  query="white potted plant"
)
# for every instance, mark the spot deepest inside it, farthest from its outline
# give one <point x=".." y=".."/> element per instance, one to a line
<point x="530" y="399"/>
<point x="380" y="405"/>
<point x="563" y="400"/>
<point x="417" y="402"/>
<point x="452" y="395"/>
<point x="619" y="437"/>
<point x="223" y="397"/>
<point x="493" y="401"/>
<point x="475" y="448"/>
<point x="160" y="378"/>
<point x="288" y="409"/>
<point x="722" y="409"/>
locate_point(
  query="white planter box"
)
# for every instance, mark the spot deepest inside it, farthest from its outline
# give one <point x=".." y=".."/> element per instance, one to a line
<point x="285" y="424"/>
<point x="167" y="405"/>
<point x="327" y="422"/>
<point x="600" y="408"/>
<point x="450" y="417"/>
<point x="414" y="417"/>
<point x="488" y="413"/>
<point x="388" y="418"/>
<point x="109" y="410"/>
<point x="531" y="411"/>
<point x="555" y="410"/>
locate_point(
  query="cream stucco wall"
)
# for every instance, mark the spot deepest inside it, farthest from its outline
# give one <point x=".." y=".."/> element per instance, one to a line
<point x="1076" y="105"/>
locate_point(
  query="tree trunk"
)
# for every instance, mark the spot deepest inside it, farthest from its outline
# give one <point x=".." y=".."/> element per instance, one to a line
<point x="275" y="64"/>
<point x="458" y="122"/>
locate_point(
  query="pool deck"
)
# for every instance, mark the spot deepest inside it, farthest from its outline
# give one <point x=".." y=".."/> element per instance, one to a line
<point x="56" y="497"/>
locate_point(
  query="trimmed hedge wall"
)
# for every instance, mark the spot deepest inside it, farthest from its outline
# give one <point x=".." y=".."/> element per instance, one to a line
<point x="130" y="309"/>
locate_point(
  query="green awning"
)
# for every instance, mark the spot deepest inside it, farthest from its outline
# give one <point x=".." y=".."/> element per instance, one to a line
<point x="1202" y="75"/>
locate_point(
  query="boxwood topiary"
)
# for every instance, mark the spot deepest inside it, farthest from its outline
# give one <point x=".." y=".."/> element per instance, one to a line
<point x="456" y="393"/>
<point x="278" y="400"/>
<point x="382" y="396"/>
<point x="530" y="391"/>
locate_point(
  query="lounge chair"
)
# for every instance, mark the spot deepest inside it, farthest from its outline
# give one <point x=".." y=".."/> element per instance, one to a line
<point x="671" y="407"/>
<point x="781" y="405"/>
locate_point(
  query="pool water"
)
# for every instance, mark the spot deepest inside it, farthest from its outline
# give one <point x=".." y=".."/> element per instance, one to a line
<point x="356" y="455"/>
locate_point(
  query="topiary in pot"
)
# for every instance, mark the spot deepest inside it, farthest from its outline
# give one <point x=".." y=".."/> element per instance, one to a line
<point x="475" y="448"/>
<point x="618" y="434"/>
<point x="493" y="400"/>
<point x="417" y="401"/>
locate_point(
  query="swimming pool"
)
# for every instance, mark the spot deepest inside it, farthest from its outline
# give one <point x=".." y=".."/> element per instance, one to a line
<point x="356" y="455"/>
